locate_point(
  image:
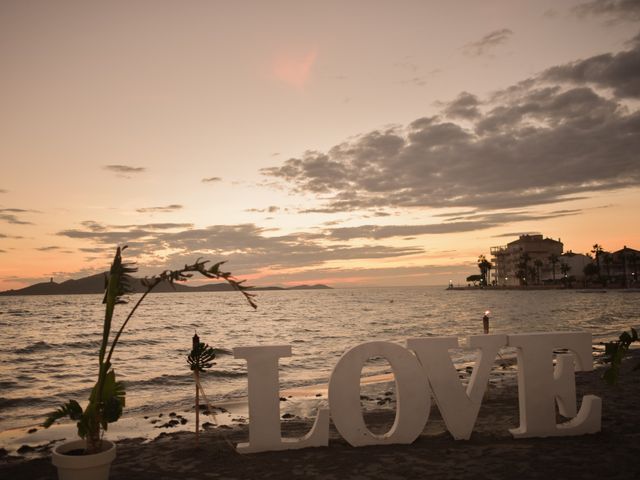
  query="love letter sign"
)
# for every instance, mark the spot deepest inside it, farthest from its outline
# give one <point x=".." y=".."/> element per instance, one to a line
<point x="423" y="368"/>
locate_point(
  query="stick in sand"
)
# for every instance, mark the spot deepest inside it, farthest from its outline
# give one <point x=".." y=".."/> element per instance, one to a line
<point x="200" y="358"/>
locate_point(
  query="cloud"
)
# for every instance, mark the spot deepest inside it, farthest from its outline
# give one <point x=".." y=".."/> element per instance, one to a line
<point x="16" y="237"/>
<point x="555" y="137"/>
<point x="467" y="223"/>
<point x="619" y="72"/>
<point x="7" y="215"/>
<point x="48" y="249"/>
<point x="614" y="10"/>
<point x="270" y="209"/>
<point x="18" y="210"/>
<point x="488" y="42"/>
<point x="250" y="248"/>
<point x="514" y="234"/>
<point x="464" y="106"/>
<point x="211" y="179"/>
<point x="165" y="209"/>
<point x="294" y="70"/>
<point x="124" y="171"/>
<point x="112" y="235"/>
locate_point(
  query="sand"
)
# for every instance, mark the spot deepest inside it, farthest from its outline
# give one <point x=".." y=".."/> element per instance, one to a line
<point x="491" y="452"/>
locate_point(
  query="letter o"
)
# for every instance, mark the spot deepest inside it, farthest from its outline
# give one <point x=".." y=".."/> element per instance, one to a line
<point x="412" y="404"/>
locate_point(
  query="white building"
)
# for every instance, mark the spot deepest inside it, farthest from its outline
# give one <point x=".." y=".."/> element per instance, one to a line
<point x="530" y="260"/>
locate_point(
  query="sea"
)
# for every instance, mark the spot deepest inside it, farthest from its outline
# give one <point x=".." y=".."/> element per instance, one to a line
<point x="49" y="346"/>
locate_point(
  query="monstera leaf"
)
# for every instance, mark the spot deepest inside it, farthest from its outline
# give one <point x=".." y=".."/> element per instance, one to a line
<point x="201" y="357"/>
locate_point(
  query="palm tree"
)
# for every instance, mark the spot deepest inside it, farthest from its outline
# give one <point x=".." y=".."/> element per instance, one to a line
<point x="597" y="251"/>
<point x="485" y="267"/>
<point x="538" y="265"/>
<point x="553" y="258"/>
<point x="523" y="272"/>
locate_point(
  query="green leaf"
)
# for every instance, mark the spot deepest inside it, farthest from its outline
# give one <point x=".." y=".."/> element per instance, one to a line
<point x="201" y="357"/>
<point x="112" y="410"/>
<point x="71" y="409"/>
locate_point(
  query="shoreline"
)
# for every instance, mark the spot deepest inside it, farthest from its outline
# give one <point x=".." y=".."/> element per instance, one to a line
<point x="490" y="453"/>
<point x="523" y="288"/>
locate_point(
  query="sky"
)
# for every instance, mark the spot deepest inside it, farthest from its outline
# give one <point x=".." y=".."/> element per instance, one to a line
<point x="360" y="143"/>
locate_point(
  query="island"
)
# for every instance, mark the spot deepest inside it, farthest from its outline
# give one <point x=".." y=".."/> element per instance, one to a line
<point x="94" y="284"/>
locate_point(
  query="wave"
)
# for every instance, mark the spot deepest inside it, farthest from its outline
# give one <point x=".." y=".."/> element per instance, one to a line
<point x="94" y="344"/>
<point x="34" y="347"/>
<point x="19" y="402"/>
<point x="182" y="379"/>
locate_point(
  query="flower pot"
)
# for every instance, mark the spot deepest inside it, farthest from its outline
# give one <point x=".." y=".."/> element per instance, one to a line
<point x="83" y="467"/>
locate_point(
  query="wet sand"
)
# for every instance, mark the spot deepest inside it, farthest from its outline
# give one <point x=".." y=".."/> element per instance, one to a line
<point x="491" y="452"/>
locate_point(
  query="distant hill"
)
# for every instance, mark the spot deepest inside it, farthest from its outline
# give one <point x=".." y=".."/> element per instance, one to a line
<point x="96" y="284"/>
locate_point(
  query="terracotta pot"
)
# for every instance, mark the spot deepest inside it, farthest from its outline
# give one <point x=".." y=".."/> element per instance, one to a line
<point x="83" y="467"/>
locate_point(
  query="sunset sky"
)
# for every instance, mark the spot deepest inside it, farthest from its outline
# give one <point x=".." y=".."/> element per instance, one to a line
<point x="347" y="143"/>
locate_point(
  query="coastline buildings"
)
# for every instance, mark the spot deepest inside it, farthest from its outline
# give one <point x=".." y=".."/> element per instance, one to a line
<point x="526" y="260"/>
<point x="535" y="260"/>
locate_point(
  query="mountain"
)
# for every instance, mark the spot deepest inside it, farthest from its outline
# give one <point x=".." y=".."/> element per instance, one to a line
<point x="96" y="284"/>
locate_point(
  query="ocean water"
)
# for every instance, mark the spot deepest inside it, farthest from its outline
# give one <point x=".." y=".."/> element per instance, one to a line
<point x="48" y="352"/>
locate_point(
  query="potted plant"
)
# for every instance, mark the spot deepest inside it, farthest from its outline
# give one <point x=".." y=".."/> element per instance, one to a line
<point x="91" y="456"/>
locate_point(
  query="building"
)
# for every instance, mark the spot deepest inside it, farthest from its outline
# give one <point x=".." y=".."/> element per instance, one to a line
<point x="530" y="260"/>
<point x="620" y="267"/>
<point x="575" y="263"/>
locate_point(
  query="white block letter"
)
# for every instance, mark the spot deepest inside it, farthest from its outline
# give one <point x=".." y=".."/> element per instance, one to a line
<point x="539" y="386"/>
<point x="459" y="408"/>
<point x="412" y="403"/>
<point x="264" y="404"/>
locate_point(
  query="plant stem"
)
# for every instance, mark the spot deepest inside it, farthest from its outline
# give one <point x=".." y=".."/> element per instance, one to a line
<point x="197" y="376"/>
<point x="124" y="324"/>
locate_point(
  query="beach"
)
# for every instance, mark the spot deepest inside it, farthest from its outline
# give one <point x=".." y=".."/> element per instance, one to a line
<point x="491" y="452"/>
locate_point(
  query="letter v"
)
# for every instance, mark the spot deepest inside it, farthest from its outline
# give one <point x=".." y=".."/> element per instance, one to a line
<point x="459" y="408"/>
